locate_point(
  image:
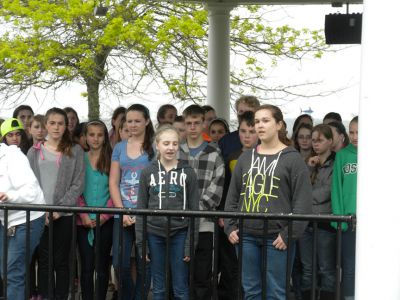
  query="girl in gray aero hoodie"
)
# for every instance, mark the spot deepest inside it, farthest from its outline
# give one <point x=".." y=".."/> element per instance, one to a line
<point x="171" y="185"/>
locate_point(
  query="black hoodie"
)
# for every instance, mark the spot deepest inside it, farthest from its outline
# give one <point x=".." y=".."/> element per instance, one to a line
<point x="179" y="191"/>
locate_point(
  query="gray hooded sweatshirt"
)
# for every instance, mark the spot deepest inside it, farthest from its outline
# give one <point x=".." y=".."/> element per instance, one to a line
<point x="176" y="189"/>
<point x="278" y="183"/>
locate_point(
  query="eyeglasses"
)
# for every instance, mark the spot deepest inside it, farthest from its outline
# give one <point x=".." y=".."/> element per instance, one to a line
<point x="195" y="124"/>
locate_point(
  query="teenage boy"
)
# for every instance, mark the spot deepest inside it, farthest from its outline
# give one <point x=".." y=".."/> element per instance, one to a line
<point x="231" y="142"/>
<point x="179" y="125"/>
<point x="207" y="162"/>
<point x="227" y="265"/>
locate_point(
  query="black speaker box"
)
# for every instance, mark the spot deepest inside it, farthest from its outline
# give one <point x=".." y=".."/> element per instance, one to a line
<point x="343" y="28"/>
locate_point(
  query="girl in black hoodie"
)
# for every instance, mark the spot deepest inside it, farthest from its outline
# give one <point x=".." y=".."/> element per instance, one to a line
<point x="168" y="184"/>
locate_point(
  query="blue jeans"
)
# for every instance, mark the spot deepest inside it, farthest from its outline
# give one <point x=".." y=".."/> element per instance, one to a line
<point x="348" y="262"/>
<point x="252" y="269"/>
<point x="129" y="289"/>
<point x="16" y="256"/>
<point x="326" y="259"/>
<point x="179" y="268"/>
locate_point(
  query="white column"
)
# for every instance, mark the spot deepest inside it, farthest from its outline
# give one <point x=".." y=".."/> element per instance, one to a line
<point x="218" y="77"/>
<point x="378" y="205"/>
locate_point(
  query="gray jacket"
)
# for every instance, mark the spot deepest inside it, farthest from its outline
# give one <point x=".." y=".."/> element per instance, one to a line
<point x="71" y="175"/>
<point x="322" y="186"/>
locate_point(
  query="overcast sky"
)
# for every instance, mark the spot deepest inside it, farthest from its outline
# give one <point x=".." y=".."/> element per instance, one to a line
<point x="336" y="71"/>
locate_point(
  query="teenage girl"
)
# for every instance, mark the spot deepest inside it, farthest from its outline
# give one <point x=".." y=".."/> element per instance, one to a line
<point x="116" y="118"/>
<point x="168" y="184"/>
<point x="340" y="137"/>
<point x="302" y="140"/>
<point x="166" y="114"/>
<point x="122" y="133"/>
<point x="302" y="119"/>
<point x="129" y="158"/>
<point x="59" y="167"/>
<point x="18" y="185"/>
<point x="13" y="133"/>
<point x="73" y="119"/>
<point x="96" y="193"/>
<point x="217" y="129"/>
<point x="270" y="178"/>
<point x="321" y="167"/>
<point x="37" y="129"/>
<point x="344" y="196"/>
<point x="24" y="113"/>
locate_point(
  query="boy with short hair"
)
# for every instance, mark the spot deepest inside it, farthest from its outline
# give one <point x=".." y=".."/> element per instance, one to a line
<point x="207" y="162"/>
<point x="230" y="142"/>
<point x="179" y="125"/>
<point x="228" y="265"/>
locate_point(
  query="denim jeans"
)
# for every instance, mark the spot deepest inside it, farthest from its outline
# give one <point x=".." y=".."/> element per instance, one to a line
<point x="88" y="257"/>
<point x="348" y="262"/>
<point x="326" y="259"/>
<point x="252" y="269"/>
<point x="16" y="256"/>
<point x="179" y="268"/>
<point x="129" y="289"/>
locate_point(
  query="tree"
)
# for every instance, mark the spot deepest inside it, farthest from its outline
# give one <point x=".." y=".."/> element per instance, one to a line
<point x="49" y="43"/>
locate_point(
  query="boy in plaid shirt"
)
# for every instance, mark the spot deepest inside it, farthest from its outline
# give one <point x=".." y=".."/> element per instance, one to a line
<point x="206" y="160"/>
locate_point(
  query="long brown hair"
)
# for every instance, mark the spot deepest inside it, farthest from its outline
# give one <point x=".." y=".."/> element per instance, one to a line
<point x="66" y="144"/>
<point x="149" y="131"/>
<point x="104" y="162"/>
<point x="278" y="117"/>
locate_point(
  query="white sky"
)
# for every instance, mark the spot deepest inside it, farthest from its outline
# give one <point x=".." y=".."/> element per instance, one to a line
<point x="335" y="70"/>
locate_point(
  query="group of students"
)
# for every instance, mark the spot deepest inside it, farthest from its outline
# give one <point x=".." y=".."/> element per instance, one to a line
<point x="191" y="162"/>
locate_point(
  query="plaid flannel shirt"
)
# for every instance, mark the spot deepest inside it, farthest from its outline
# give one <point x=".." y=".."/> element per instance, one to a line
<point x="210" y="170"/>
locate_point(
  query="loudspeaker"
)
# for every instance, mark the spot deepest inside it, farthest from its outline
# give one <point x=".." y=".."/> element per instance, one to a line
<point x="343" y="28"/>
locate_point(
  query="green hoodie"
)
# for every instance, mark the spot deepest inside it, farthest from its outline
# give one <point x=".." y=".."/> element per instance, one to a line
<point x="344" y="183"/>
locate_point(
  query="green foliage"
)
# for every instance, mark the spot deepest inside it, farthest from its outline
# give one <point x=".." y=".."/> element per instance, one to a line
<point x="47" y="43"/>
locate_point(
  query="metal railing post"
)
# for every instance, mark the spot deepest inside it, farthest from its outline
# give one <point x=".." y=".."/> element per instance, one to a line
<point x="27" y="254"/>
<point x="5" y="253"/>
<point x="215" y="261"/>
<point x="338" y="261"/>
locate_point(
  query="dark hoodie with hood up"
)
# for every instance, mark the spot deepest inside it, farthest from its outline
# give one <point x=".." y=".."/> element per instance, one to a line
<point x="176" y="189"/>
<point x="278" y="183"/>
